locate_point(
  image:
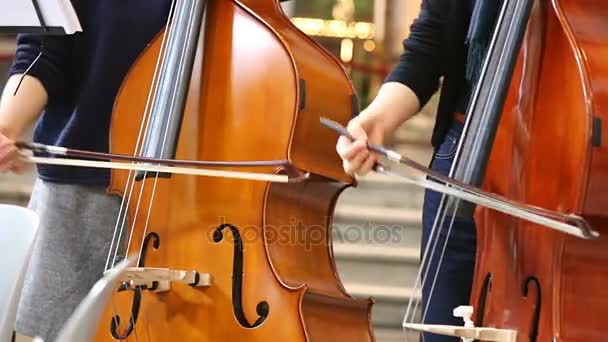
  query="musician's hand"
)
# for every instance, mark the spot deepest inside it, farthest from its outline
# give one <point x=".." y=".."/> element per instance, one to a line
<point x="9" y="158"/>
<point x="357" y="159"/>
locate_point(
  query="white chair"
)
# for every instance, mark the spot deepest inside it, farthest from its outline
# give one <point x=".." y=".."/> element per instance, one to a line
<point x="83" y="323"/>
<point x="18" y="228"/>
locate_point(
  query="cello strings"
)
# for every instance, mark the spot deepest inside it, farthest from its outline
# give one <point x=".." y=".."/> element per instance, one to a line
<point x="141" y="139"/>
<point x="466" y="130"/>
<point x="442" y="210"/>
<point x="126" y="199"/>
<point x="180" y="70"/>
<point x="434" y="237"/>
<point x="440" y="261"/>
<point x="123" y="214"/>
<point x="151" y="100"/>
<point x="428" y="252"/>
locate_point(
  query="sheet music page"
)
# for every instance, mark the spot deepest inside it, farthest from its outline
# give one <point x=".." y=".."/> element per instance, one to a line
<point x="59" y="13"/>
<point x="56" y="13"/>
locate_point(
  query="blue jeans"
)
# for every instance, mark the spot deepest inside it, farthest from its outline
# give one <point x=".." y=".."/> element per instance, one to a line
<point x="453" y="283"/>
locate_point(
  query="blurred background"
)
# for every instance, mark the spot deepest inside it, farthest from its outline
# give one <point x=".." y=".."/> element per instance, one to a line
<point x="377" y="226"/>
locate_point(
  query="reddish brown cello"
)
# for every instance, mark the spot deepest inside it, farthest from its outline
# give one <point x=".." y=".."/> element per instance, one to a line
<point x="226" y="259"/>
<point x="545" y="73"/>
<point x="545" y="284"/>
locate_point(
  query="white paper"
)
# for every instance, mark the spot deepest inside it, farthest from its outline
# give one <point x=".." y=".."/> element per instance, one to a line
<point x="56" y="13"/>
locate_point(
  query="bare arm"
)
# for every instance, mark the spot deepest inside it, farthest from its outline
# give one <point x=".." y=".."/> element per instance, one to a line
<point x="408" y="87"/>
<point x="394" y="104"/>
<point x="44" y="80"/>
<point x="18" y="111"/>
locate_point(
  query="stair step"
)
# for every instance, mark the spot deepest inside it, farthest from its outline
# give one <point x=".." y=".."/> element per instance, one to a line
<point x="386" y="227"/>
<point x="395" y="335"/>
<point x="392" y="195"/>
<point x="390" y="302"/>
<point x="376" y="253"/>
<point x="378" y="179"/>
<point x="377" y="264"/>
<point x="377" y="214"/>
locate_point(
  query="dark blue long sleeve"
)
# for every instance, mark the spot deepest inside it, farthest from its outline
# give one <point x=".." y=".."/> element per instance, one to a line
<point x="435" y="50"/>
<point x="421" y="66"/>
<point x="82" y="74"/>
<point x="52" y="66"/>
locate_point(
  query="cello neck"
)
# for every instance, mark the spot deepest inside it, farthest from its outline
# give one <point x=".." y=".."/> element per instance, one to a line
<point x="488" y="98"/>
<point x="180" y="43"/>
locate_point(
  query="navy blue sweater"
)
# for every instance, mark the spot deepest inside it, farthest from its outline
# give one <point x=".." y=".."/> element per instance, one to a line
<point x="435" y="49"/>
<point x="82" y="74"/>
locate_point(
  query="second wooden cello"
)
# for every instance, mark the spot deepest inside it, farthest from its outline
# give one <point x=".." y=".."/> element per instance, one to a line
<point x="535" y="134"/>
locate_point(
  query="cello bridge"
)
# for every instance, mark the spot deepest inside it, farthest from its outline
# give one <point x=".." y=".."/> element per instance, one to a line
<point x="160" y="279"/>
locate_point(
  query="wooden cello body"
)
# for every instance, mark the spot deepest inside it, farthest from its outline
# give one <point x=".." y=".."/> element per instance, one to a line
<point x="257" y="90"/>
<point x="550" y="151"/>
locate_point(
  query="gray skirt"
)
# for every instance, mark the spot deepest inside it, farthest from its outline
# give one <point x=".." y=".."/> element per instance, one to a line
<point x="76" y="228"/>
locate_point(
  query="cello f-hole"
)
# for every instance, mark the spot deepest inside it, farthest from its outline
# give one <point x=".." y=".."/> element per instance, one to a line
<point x="115" y="321"/>
<point x="262" y="308"/>
<point x="536" y="318"/>
<point x="481" y="304"/>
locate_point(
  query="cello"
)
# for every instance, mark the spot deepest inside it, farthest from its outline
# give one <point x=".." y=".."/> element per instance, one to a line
<point x="236" y="258"/>
<point x="545" y="284"/>
<point x="534" y="134"/>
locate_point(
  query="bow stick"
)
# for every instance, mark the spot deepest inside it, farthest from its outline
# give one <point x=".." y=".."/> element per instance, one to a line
<point x="567" y="223"/>
<point x="186" y="167"/>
